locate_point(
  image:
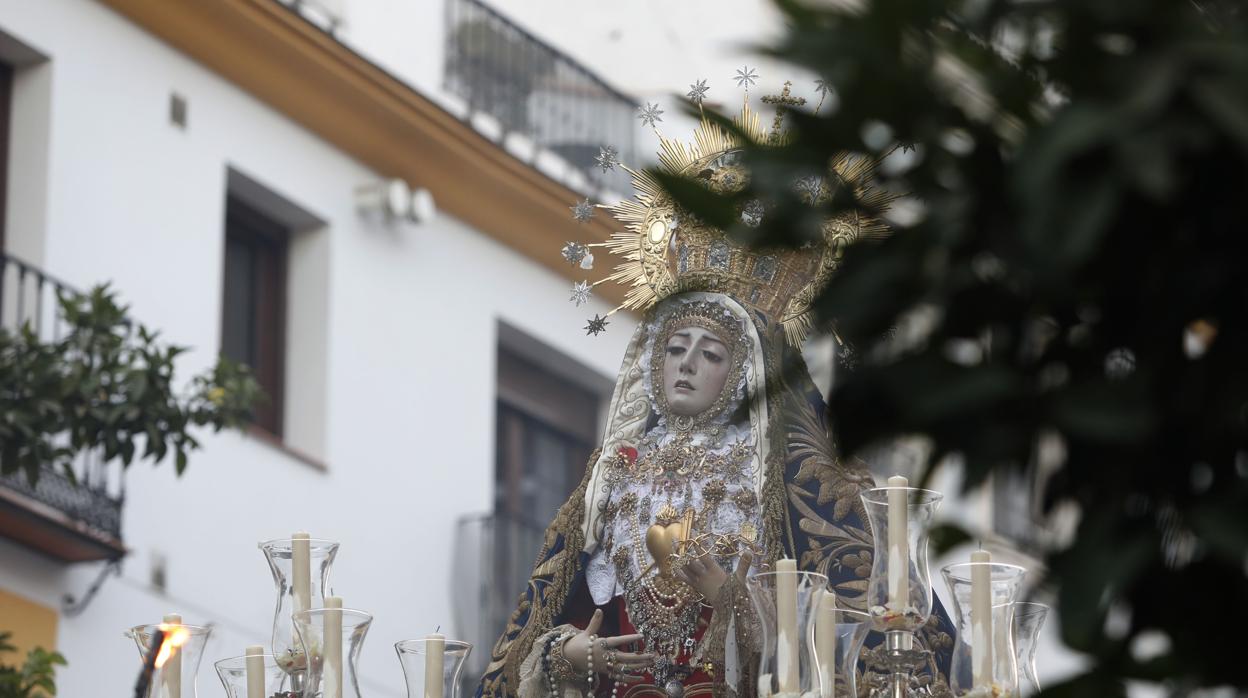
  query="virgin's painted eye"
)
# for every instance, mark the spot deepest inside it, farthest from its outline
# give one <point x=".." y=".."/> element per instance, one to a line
<point x="675" y="351"/>
<point x="712" y="357"/>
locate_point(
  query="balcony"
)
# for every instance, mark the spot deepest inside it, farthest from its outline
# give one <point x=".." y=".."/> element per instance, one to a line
<point x="535" y="90"/>
<point x="72" y="515"/>
<point x="498" y="552"/>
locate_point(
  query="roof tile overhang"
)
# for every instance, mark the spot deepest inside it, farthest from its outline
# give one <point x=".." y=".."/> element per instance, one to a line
<point x="269" y="51"/>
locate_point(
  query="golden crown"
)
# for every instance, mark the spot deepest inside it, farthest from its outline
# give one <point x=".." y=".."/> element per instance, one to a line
<point x="665" y="251"/>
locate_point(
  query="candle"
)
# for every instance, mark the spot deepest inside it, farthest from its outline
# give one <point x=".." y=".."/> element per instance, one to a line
<point x="435" y="650"/>
<point x="981" y="619"/>
<point x="255" y="671"/>
<point x="825" y="644"/>
<point x="786" y="622"/>
<point x="171" y="675"/>
<point x="332" y="647"/>
<point x="300" y="577"/>
<point x="301" y="570"/>
<point x="898" y="544"/>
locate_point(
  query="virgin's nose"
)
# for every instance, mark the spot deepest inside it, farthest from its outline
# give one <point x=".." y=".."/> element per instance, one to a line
<point x="687" y="364"/>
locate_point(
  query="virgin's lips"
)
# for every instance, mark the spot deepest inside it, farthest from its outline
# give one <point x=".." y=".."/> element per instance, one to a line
<point x="684" y="384"/>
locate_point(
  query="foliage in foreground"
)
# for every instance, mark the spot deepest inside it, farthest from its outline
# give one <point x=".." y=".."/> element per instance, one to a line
<point x="35" y="678"/>
<point x="1074" y="277"/>
<point x="107" y="384"/>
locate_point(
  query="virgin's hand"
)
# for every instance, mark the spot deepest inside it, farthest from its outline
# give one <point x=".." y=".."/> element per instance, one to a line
<point x="624" y="666"/>
<point x="707" y="577"/>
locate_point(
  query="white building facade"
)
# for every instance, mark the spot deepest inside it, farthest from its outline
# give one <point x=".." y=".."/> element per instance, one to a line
<point x="392" y="328"/>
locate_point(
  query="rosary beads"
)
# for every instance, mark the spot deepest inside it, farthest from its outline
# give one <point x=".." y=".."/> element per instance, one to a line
<point x="590" y="661"/>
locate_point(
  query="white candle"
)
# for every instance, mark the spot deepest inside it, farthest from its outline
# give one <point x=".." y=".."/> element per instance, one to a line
<point x="786" y="626"/>
<point x="332" y="647"/>
<point x="300" y="577"/>
<point x="825" y="644"/>
<point x="435" y="649"/>
<point x="171" y="674"/>
<point x="255" y="671"/>
<point x="898" y="544"/>
<point x="981" y="619"/>
<point x="301" y="570"/>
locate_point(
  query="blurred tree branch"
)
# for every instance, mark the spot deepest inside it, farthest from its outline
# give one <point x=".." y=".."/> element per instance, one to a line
<point x="1080" y="169"/>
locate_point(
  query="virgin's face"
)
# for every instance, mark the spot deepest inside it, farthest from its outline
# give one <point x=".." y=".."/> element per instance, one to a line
<point x="694" y="370"/>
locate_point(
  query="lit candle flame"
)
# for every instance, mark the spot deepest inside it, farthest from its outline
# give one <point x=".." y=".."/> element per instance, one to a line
<point x="175" y="637"/>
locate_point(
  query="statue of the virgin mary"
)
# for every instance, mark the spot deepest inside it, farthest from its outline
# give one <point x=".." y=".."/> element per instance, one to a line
<point x="716" y="461"/>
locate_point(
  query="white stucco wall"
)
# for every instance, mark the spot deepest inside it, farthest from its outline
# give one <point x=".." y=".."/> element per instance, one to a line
<point x="407" y="370"/>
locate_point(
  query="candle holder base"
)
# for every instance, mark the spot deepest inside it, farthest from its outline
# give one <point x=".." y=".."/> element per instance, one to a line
<point x="892" y="668"/>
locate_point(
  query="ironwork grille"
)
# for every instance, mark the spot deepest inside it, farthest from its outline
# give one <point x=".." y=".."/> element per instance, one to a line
<point x="534" y="89"/>
<point x="95" y="493"/>
<point x="87" y="503"/>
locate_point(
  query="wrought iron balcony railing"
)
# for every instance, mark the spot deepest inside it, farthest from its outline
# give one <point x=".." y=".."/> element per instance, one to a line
<point x="534" y="89"/>
<point x="72" y="519"/>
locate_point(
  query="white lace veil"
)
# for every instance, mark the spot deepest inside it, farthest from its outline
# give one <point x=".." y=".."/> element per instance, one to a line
<point x="633" y="401"/>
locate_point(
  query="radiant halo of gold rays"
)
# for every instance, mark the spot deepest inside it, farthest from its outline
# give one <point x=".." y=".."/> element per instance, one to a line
<point x="663" y="250"/>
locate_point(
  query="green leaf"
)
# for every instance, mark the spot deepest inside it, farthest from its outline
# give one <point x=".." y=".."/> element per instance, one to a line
<point x="714" y="209"/>
<point x="1105" y="412"/>
<point x="1226" y="104"/>
<point x="888" y="274"/>
<point x="1112" y="552"/>
<point x="1094" y="683"/>
<point x="1221" y="524"/>
<point x="947" y="536"/>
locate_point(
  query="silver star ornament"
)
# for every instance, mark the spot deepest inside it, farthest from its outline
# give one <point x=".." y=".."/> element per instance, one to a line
<point x="581" y="291"/>
<point x="649" y="114"/>
<point x="608" y="157"/>
<point x="582" y="211"/>
<point x="574" y="252"/>
<point x="697" y="92"/>
<point x="746" y="77"/>
<point x="597" y="325"/>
